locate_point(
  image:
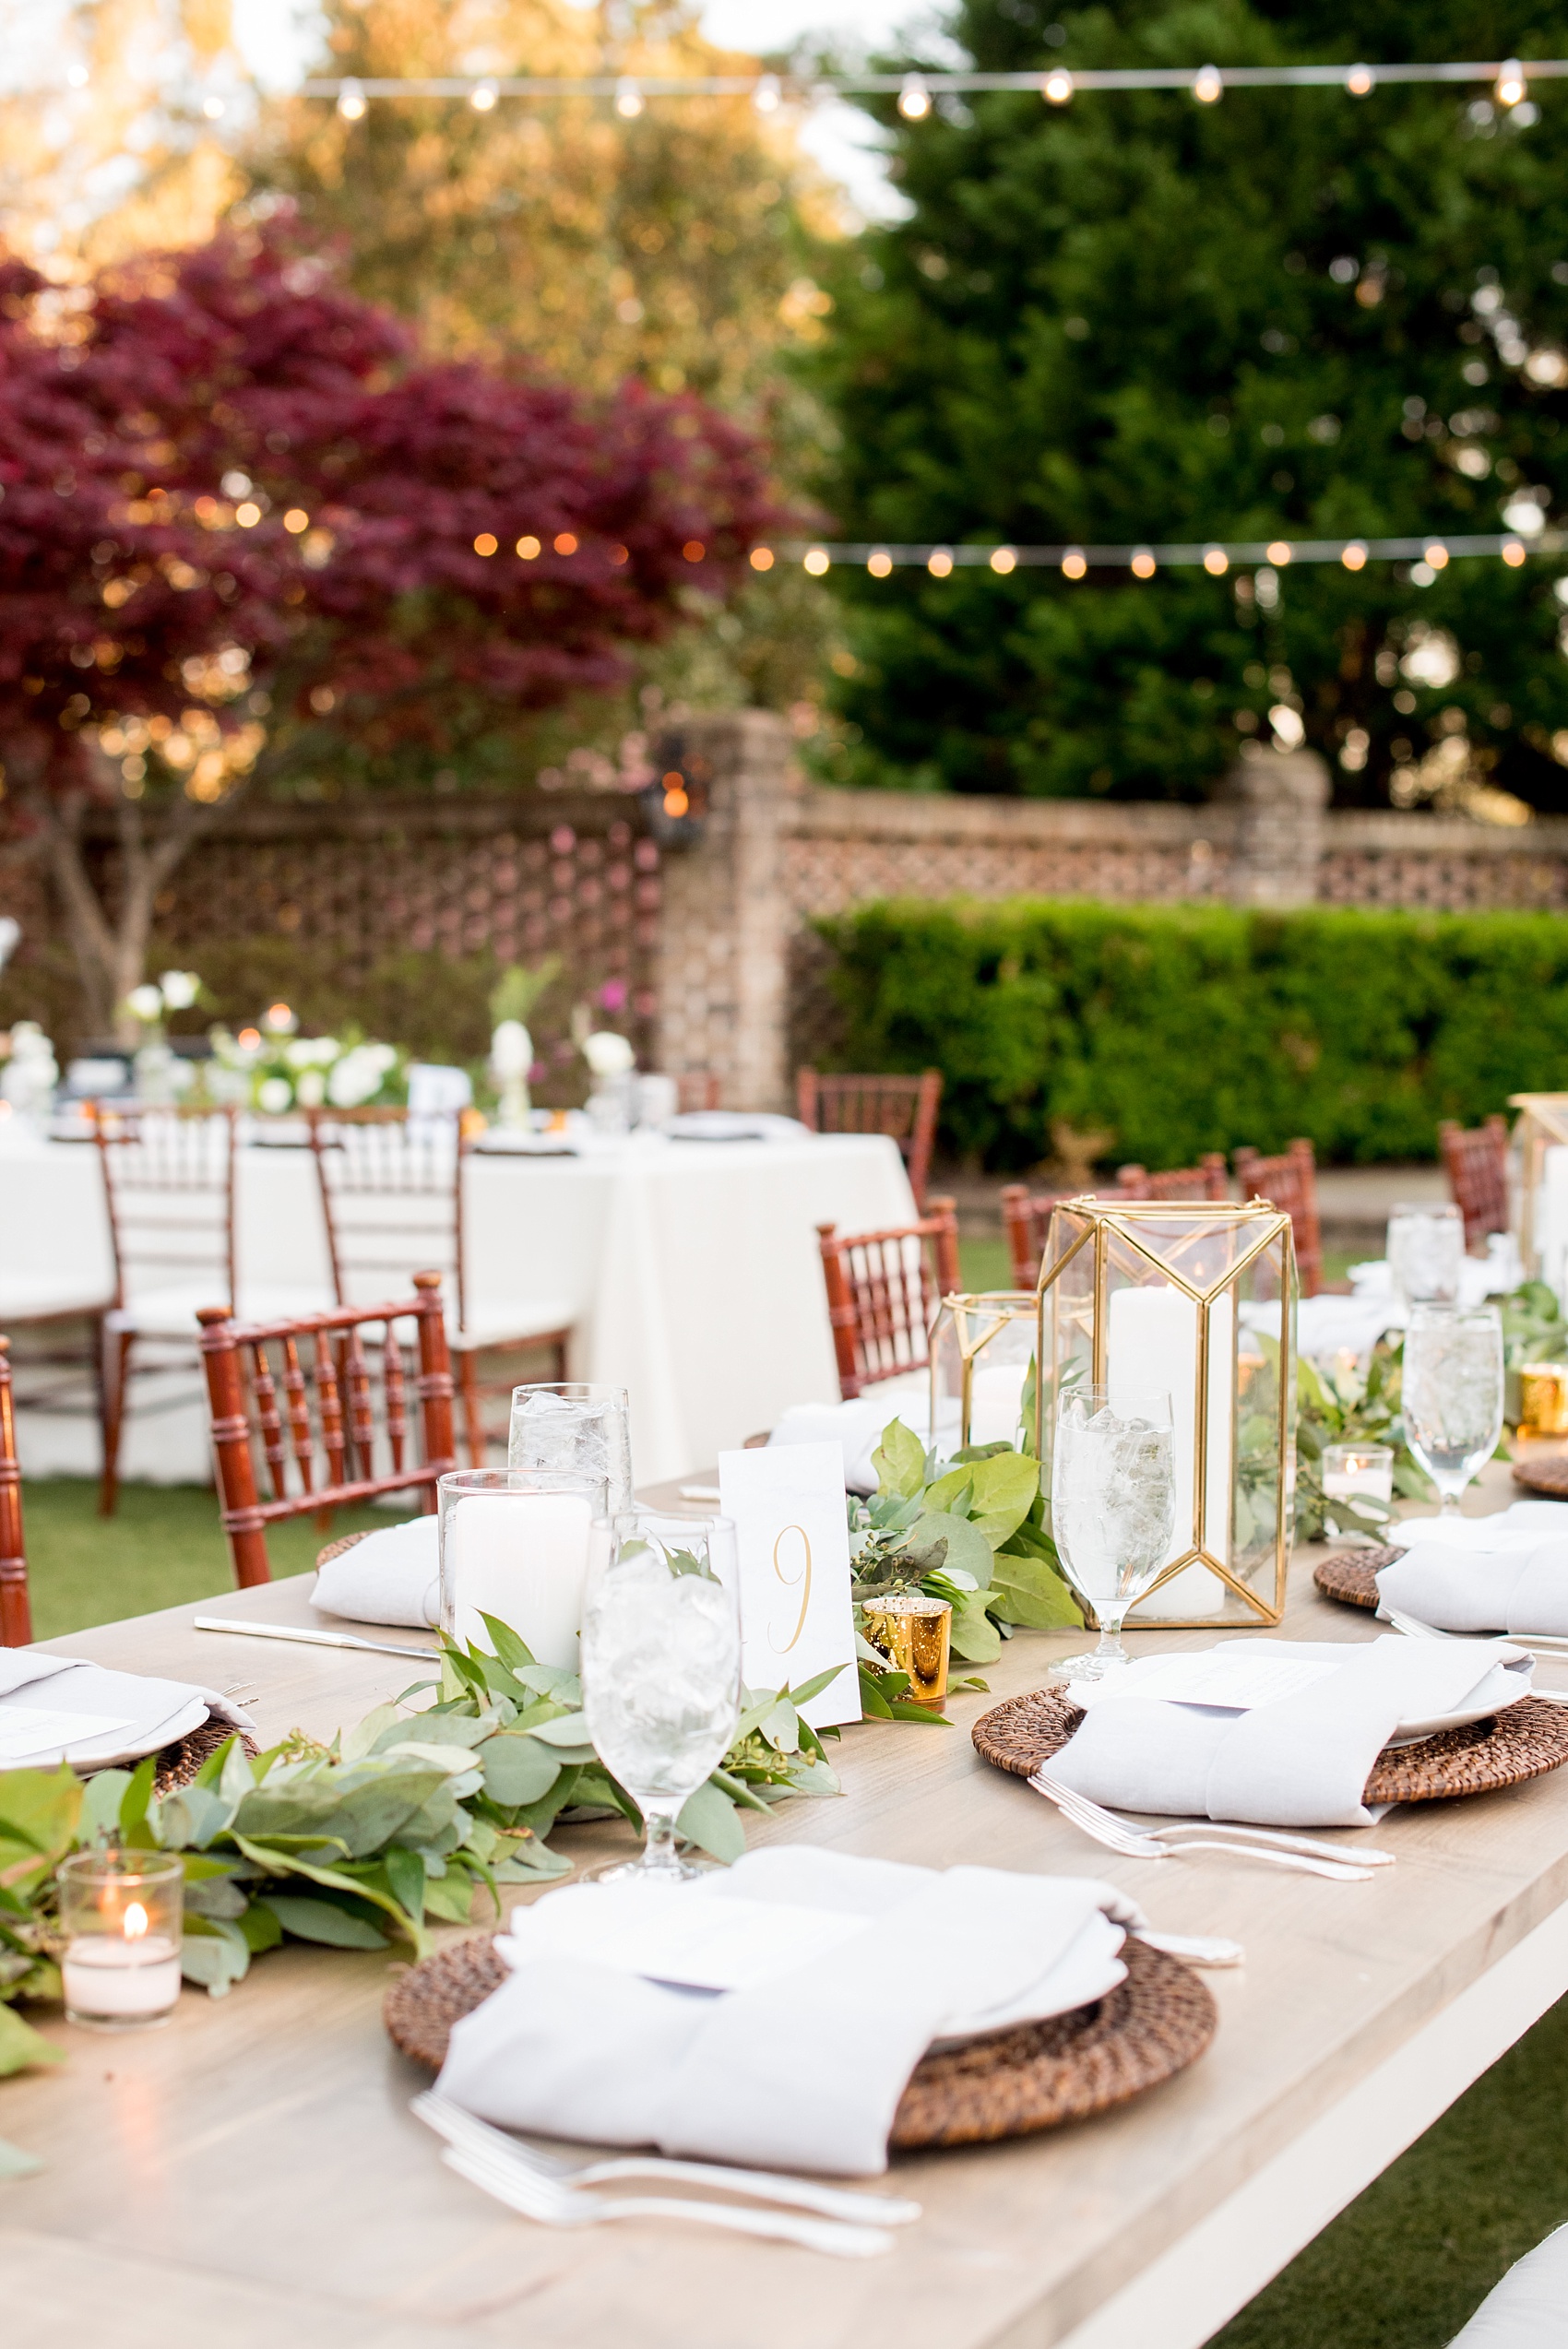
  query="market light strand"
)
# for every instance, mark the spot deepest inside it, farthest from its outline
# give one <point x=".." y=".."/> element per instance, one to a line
<point x="1433" y="552"/>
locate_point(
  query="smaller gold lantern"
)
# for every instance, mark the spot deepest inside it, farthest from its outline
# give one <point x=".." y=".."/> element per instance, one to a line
<point x="982" y="1347"/>
<point x="1540" y="1198"/>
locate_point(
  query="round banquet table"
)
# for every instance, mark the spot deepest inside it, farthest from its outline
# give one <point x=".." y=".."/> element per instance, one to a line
<point x="690" y="1270"/>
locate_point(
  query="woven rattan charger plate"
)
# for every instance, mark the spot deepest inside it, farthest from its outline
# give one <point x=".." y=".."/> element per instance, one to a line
<point x="1547" y="1476"/>
<point x="1351" y="1575"/>
<point x="1012" y="2083"/>
<point x="1526" y="1741"/>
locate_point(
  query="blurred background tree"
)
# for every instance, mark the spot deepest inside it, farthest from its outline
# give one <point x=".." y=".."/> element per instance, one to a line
<point x="1289" y="313"/>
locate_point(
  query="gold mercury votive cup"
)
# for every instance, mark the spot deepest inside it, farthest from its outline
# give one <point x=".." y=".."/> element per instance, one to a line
<point x="914" y="1634"/>
<point x="1543" y="1399"/>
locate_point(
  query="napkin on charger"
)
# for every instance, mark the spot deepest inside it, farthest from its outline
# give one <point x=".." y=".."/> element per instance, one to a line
<point x="1456" y="1587"/>
<point x="141" y="1713"/>
<point x="391" y="1576"/>
<point x="799" y="2070"/>
<point x="1300" y="1761"/>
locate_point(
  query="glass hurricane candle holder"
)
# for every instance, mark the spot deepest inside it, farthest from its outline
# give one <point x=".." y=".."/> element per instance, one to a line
<point x="120" y="1915"/>
<point x="572" y="1423"/>
<point x="1196" y="1299"/>
<point x="982" y="1349"/>
<point x="515" y="1546"/>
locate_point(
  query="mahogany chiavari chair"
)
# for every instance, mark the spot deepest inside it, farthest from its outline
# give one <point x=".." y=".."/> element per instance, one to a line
<point x="1289" y="1182"/>
<point x="295" y="1410"/>
<point x="883" y="1291"/>
<point x="696" y="1089"/>
<point x="904" y="1107"/>
<point x="1477" y="1165"/>
<point x="15" y="1614"/>
<point x="393" y="1194"/>
<point x="1026" y="1215"/>
<point x="1208" y="1180"/>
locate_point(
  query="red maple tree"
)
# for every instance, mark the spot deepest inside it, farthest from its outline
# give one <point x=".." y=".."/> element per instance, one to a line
<point x="237" y="514"/>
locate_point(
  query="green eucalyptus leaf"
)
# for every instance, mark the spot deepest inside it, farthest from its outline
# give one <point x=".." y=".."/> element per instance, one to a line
<point x="15" y="2163"/>
<point x="519" y="1769"/>
<point x="308" y="1920"/>
<point x="900" y="1462"/>
<point x="21" y="2046"/>
<point x="709" y="1820"/>
<point x="1033" y="1593"/>
<point x="261" y="1930"/>
<point x="102" y="1797"/>
<point x="968" y="1547"/>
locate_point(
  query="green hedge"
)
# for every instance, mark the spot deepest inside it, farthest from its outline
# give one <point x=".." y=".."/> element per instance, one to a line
<point x="1187" y="1028"/>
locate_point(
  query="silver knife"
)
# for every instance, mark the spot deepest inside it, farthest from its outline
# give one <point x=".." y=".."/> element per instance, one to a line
<point x="313" y="1639"/>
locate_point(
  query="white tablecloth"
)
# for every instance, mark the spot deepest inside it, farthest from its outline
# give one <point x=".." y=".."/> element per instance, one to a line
<point x="691" y="1268"/>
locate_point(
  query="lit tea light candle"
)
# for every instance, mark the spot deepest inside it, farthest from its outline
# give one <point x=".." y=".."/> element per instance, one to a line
<point x="122" y="1914"/>
<point x="1353" y="1470"/>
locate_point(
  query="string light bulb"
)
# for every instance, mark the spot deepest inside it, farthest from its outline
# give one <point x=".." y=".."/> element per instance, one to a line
<point x="762" y="558"/>
<point x="213" y="109"/>
<point x="1360" y="82"/>
<point x="1354" y="556"/>
<point x="817" y="561"/>
<point x="351" y="101"/>
<point x="1437" y="556"/>
<point x="78" y="76"/>
<point x="1216" y="562"/>
<point x="939" y="562"/>
<point x="1278" y="552"/>
<point x="1513" y="553"/>
<point x="1072" y="563"/>
<point x="628" y="99"/>
<point x="482" y="97"/>
<point x="879" y="562"/>
<point x="1057" y="87"/>
<point x="1512" y="87"/>
<point x="1208" y="85"/>
<point x="768" y="94"/>
<point x="1142" y="563"/>
<point x="1004" y="560"/>
<point x="914" y="99"/>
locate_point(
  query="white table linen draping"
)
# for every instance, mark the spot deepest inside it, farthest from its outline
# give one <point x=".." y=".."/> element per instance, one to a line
<point x="692" y="1271"/>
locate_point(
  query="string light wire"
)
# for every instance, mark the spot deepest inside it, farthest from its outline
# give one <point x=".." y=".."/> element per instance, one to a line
<point x="1215" y="556"/>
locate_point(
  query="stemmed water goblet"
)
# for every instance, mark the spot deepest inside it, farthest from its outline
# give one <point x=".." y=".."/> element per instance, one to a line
<point x="1112" y="1507"/>
<point x="1453" y="1394"/>
<point x="661" y="1668"/>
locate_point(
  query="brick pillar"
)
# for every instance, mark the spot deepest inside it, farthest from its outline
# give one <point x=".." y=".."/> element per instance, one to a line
<point x="1283" y="799"/>
<point x="721" y="961"/>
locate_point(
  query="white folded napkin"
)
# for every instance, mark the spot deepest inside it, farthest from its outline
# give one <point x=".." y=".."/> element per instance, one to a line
<point x="858" y="1424"/>
<point x="68" y="1710"/>
<point x="800" y="2068"/>
<point x="1302" y="1760"/>
<point x="1521" y="1589"/>
<point x="392" y="1576"/>
<point x="1518" y="1527"/>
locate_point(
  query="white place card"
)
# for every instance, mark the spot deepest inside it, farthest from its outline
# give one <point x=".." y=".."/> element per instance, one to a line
<point x="793" y="1537"/>
<point x="32" y="1729"/>
<point x="1232" y="1678"/>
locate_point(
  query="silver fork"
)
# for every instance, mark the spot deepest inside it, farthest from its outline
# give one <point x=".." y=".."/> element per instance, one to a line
<point x="1367" y="1856"/>
<point x="1135" y="1844"/>
<point x="470" y="2134"/>
<point x="555" y="2205"/>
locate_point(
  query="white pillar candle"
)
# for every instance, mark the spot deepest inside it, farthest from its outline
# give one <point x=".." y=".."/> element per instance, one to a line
<point x="996" y="1395"/>
<point x="109" y="1978"/>
<point x="1552" y="1217"/>
<point x="1152" y="1343"/>
<point x="521" y="1557"/>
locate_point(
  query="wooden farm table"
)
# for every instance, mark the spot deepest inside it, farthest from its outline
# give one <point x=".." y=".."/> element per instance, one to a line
<point x="251" y="2175"/>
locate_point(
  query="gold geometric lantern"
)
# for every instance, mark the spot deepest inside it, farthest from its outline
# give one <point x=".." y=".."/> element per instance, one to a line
<point x="980" y="1350"/>
<point x="1199" y="1298"/>
<point x="1540" y="1203"/>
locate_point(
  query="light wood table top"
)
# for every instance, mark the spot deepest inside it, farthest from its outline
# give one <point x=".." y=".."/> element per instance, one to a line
<point x="253" y="2173"/>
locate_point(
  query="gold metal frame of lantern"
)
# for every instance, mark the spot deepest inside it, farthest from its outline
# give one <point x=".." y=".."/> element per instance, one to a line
<point x="1543" y="1125"/>
<point x="965" y="1328"/>
<point x="1204" y="1253"/>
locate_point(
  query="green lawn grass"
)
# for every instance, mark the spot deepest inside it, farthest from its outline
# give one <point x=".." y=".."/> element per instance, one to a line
<point x="163" y="1547"/>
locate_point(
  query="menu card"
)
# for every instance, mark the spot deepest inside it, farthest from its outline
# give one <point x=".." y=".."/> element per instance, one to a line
<point x="793" y="1537"/>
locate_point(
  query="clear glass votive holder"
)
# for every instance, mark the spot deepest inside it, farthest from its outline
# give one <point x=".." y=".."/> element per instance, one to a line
<point x="1543" y="1400"/>
<point x="120" y="1915"/>
<point x="574" y="1424"/>
<point x="515" y="1547"/>
<point x="1356" y="1472"/>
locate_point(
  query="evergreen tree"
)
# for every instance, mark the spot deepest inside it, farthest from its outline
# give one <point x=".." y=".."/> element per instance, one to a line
<point x="1292" y="313"/>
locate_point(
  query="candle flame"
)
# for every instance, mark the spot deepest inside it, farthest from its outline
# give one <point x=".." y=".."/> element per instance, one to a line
<point x="135" y="1923"/>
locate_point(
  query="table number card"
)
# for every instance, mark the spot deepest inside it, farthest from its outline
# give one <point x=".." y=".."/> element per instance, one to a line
<point x="793" y="1542"/>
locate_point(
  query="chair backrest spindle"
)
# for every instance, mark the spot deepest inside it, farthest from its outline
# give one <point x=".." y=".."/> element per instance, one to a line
<point x="902" y="1107"/>
<point x="1477" y="1166"/>
<point x="16" y="1611"/>
<point x="883" y="1291"/>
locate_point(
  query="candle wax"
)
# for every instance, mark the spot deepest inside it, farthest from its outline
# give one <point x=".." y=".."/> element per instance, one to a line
<point x="996" y="1394"/>
<point x="1152" y="1343"/>
<point x="521" y="1557"/>
<point x="109" y="1977"/>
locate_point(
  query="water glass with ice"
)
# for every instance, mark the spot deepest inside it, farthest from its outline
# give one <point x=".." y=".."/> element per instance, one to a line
<point x="1112" y="1506"/>
<point x="1452" y="1392"/>
<point x="1425" y="1249"/>
<point x="571" y="1424"/>
<point x="661" y="1666"/>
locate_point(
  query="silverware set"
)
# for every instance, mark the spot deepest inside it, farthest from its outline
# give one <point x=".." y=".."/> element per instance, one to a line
<point x="554" y="2189"/>
<point x="1545" y="1646"/>
<point x="1174" y="1836"/>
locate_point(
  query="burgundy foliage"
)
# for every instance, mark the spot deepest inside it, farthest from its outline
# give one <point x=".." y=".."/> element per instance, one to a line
<point x="123" y="554"/>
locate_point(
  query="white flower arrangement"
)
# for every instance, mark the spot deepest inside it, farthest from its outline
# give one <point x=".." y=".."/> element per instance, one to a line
<point x="277" y="1073"/>
<point x="609" y="1054"/>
